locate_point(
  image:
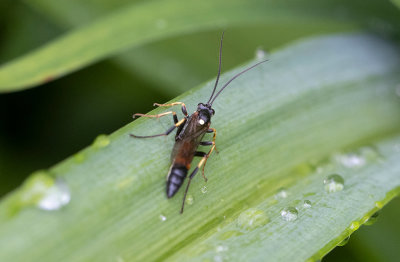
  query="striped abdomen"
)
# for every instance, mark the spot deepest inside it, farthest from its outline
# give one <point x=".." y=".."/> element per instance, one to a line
<point x="176" y="176"/>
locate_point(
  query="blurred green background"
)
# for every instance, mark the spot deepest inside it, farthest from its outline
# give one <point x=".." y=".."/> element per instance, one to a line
<point x="41" y="126"/>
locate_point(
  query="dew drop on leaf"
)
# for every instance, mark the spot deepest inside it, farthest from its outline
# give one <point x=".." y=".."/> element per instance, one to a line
<point x="289" y="214"/>
<point x="354" y="225"/>
<point x="372" y="219"/>
<point x="252" y="218"/>
<point x="79" y="157"/>
<point x="260" y="54"/>
<point x="378" y="204"/>
<point x="344" y="241"/>
<point x="101" y="141"/>
<point x="282" y="193"/>
<point x="189" y="200"/>
<point x="307" y="204"/>
<point x="334" y="183"/>
<point x="351" y="160"/>
<point x="55" y="197"/>
<point x="221" y="248"/>
<point x="44" y="191"/>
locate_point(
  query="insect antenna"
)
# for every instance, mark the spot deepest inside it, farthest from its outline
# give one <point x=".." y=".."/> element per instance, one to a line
<point x="234" y="77"/>
<point x="219" y="67"/>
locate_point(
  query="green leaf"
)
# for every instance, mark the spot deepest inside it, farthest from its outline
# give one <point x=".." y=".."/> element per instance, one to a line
<point x="396" y="2"/>
<point x="138" y="24"/>
<point x="178" y="66"/>
<point x="275" y="125"/>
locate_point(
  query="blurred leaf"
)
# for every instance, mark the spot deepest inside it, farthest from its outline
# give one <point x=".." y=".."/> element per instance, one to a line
<point x="184" y="61"/>
<point x="21" y="30"/>
<point x="272" y="123"/>
<point x="72" y="13"/>
<point x="396" y="2"/>
<point x="137" y="24"/>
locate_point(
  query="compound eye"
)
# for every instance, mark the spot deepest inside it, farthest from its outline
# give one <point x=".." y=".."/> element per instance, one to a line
<point x="213" y="111"/>
<point x="201" y="121"/>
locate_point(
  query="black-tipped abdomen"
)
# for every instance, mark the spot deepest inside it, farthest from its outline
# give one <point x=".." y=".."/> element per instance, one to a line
<point x="175" y="179"/>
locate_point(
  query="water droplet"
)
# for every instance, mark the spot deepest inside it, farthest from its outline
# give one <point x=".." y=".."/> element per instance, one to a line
<point x="204" y="189"/>
<point x="334" y="183"/>
<point x="307" y="204"/>
<point x="189" y="200"/>
<point x="221" y="248"/>
<point x="351" y="160"/>
<point x="79" y="157"/>
<point x="289" y="214"/>
<point x="354" y="225"/>
<point x="378" y="204"/>
<point x="35" y="187"/>
<point x="55" y="197"/>
<point x="344" y="241"/>
<point x="372" y="219"/>
<point x="282" y="193"/>
<point x="359" y="158"/>
<point x="162" y="217"/>
<point x="42" y="190"/>
<point x="101" y="141"/>
<point x="252" y="218"/>
<point x="398" y="90"/>
<point x="260" y="54"/>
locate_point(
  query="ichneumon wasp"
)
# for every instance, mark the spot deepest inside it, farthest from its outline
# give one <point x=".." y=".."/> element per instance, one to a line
<point x="190" y="132"/>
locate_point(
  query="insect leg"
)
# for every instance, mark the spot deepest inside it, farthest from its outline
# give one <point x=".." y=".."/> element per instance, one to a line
<point x="202" y="154"/>
<point x="209" y="143"/>
<point x="165" y="133"/>
<point x="190" y="180"/>
<point x="159" y="115"/>
<point x="183" y="106"/>
<point x="213" y="130"/>
<point x="201" y="163"/>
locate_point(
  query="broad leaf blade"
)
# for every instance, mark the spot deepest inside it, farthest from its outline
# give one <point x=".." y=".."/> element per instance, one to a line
<point x="312" y="99"/>
<point x="138" y="24"/>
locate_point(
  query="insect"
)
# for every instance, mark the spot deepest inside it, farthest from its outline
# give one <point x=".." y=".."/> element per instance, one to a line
<point x="190" y="132"/>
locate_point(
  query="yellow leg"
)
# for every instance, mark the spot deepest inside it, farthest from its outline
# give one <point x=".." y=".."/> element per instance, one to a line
<point x="183" y="106"/>
<point x="180" y="122"/>
<point x="158" y="115"/>
<point x="201" y="163"/>
<point x="209" y="153"/>
<point x="170" y="104"/>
